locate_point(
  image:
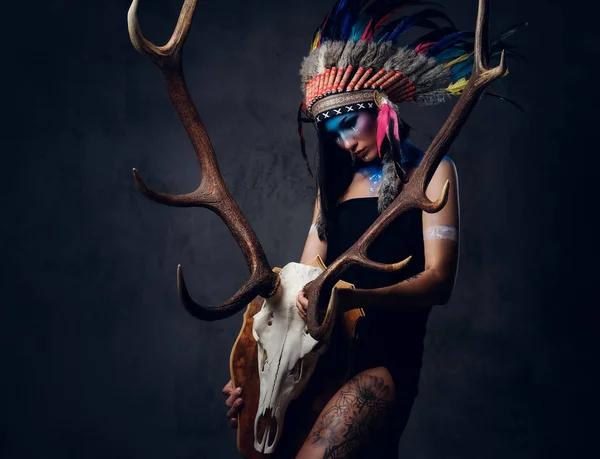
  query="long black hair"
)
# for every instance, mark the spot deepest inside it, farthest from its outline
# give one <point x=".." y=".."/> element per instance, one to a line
<point x="334" y="175"/>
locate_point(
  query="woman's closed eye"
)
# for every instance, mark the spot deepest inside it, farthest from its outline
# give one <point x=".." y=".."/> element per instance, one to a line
<point x="348" y="122"/>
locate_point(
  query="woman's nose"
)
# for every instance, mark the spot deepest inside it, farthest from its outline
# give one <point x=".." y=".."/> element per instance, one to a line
<point x="347" y="141"/>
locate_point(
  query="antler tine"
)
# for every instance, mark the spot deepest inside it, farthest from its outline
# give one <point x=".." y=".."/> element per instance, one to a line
<point x="482" y="37"/>
<point x="212" y="192"/>
<point x="382" y="267"/>
<point x="183" y="200"/>
<point x="242" y="297"/>
<point x="161" y="54"/>
<point x="413" y="195"/>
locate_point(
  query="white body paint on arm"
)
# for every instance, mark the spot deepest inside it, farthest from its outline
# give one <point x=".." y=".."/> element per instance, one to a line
<point x="440" y="232"/>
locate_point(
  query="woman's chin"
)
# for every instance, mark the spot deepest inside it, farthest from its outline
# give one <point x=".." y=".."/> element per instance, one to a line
<point x="369" y="159"/>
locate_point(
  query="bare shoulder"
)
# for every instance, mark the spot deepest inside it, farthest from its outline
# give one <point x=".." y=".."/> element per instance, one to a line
<point x="446" y="169"/>
<point x="445" y="172"/>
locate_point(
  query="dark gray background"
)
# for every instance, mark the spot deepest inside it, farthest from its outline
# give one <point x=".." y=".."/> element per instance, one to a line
<point x="99" y="358"/>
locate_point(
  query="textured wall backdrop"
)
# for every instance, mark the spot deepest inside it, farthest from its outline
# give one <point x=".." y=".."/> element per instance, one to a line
<point x="99" y="358"/>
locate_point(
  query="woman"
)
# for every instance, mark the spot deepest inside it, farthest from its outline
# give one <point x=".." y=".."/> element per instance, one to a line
<point x="386" y="358"/>
<point x="353" y="79"/>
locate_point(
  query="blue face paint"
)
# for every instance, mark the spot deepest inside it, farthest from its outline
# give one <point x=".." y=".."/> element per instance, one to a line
<point x="354" y="132"/>
<point x="375" y="173"/>
<point x="342" y="127"/>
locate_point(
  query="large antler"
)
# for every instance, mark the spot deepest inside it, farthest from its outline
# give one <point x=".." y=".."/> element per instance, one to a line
<point x="413" y="195"/>
<point x="212" y="192"/>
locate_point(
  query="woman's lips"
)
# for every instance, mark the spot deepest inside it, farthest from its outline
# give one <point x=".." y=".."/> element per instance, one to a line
<point x="361" y="153"/>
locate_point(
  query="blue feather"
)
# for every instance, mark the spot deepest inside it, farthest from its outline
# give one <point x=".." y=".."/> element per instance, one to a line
<point x="350" y="16"/>
<point x="415" y="19"/>
<point x="359" y="27"/>
<point x="389" y="27"/>
<point x="401" y="28"/>
<point x="461" y="69"/>
<point x="433" y="36"/>
<point x="381" y="38"/>
<point x="446" y="42"/>
<point x="450" y="54"/>
<point x="330" y="25"/>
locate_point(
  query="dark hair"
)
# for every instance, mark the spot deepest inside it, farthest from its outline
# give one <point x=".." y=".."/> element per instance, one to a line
<point x="336" y="170"/>
<point x="334" y="175"/>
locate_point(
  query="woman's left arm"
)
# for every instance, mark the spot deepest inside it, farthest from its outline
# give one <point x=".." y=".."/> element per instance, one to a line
<point x="434" y="285"/>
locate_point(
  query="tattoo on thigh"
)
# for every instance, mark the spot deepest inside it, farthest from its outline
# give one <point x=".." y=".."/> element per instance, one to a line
<point x="356" y="414"/>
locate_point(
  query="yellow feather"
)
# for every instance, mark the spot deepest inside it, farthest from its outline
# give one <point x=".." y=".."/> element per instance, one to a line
<point x="457" y="87"/>
<point x="459" y="59"/>
<point x="315" y="41"/>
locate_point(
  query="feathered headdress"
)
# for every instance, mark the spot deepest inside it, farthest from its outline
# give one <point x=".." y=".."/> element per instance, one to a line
<point x="356" y="62"/>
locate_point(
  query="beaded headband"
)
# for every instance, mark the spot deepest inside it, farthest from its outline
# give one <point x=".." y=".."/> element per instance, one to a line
<point x="343" y="103"/>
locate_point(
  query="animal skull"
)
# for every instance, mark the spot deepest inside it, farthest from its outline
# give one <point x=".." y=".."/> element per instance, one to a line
<point x="287" y="354"/>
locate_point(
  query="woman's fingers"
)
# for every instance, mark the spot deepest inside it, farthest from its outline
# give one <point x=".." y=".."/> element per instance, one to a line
<point x="302" y="300"/>
<point x="301" y="311"/>
<point x="234" y="402"/>
<point x="227" y="388"/>
<point x="302" y="304"/>
<point x="233" y="397"/>
<point x="233" y="411"/>
<point x="299" y="304"/>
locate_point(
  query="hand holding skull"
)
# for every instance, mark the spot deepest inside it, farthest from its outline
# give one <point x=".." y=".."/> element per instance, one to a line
<point x="234" y="402"/>
<point x="302" y="304"/>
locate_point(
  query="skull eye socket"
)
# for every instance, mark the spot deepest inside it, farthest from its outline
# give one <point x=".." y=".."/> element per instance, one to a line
<point x="263" y="361"/>
<point x="296" y="372"/>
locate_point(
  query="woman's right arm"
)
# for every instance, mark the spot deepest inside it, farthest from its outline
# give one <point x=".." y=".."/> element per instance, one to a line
<point x="314" y="246"/>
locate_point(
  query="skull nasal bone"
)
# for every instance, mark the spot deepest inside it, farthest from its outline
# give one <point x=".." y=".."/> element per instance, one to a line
<point x="267" y="422"/>
<point x="273" y="429"/>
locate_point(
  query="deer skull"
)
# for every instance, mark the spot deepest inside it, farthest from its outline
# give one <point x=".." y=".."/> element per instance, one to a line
<point x="287" y="354"/>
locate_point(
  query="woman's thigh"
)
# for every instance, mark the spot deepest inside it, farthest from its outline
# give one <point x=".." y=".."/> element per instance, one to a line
<point x="354" y="416"/>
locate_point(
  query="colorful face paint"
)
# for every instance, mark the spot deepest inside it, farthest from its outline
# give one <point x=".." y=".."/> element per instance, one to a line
<point x="354" y="132"/>
<point x="440" y="232"/>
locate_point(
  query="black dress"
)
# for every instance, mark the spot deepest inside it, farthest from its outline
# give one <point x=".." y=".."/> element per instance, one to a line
<point x="390" y="338"/>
